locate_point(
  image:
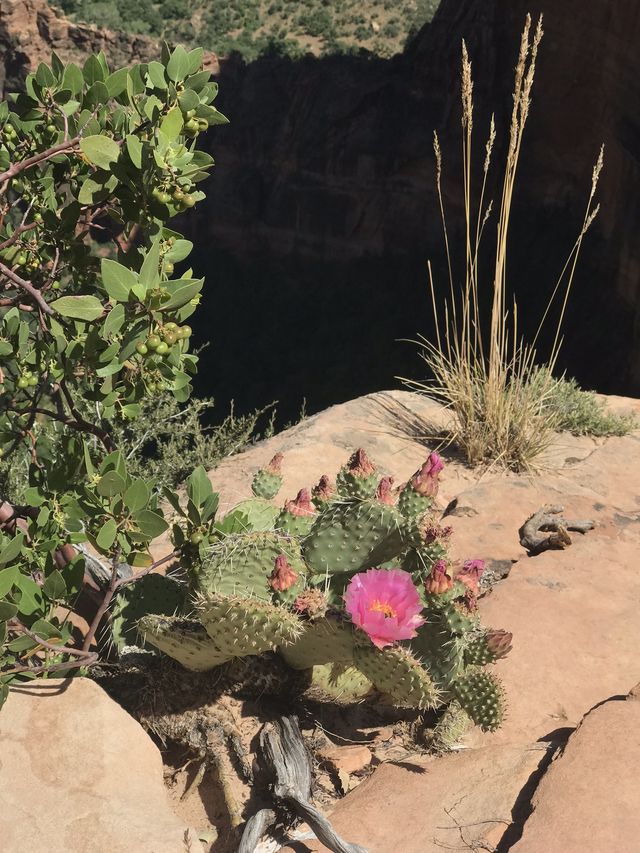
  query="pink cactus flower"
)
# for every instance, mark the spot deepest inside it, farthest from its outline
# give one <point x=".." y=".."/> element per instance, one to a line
<point x="283" y="576"/>
<point x="385" y="604"/>
<point x="425" y="481"/>
<point x="470" y="575"/>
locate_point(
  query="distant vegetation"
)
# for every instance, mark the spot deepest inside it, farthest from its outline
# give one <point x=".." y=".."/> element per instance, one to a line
<point x="252" y="27"/>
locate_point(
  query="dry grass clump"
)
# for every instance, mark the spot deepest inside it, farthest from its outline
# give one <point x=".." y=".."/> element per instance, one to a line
<point x="484" y="371"/>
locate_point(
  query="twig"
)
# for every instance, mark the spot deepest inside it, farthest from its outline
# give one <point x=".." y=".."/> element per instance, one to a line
<point x="546" y="530"/>
<point x="27" y="287"/>
<point x="255" y="828"/>
<point x="15" y="168"/>
<point x="285" y="754"/>
<point x="114" y="585"/>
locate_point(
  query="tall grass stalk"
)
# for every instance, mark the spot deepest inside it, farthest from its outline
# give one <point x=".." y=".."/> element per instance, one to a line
<point x="484" y="370"/>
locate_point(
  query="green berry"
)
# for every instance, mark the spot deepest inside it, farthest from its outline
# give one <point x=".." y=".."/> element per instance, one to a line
<point x="21" y="260"/>
<point x="178" y="195"/>
<point x="170" y="326"/>
<point x="170" y="338"/>
<point x="32" y="381"/>
<point x="152" y="387"/>
<point x="37" y="217"/>
<point x="196" y="538"/>
<point x="23" y="382"/>
<point x="188" y="200"/>
<point x="56" y="285"/>
<point x="153" y="342"/>
<point x="184" y="332"/>
<point x="141" y="348"/>
<point x="162" y="348"/>
<point x="51" y="128"/>
<point x="192" y="125"/>
<point x="168" y="267"/>
<point x="203" y="124"/>
<point x="190" y="113"/>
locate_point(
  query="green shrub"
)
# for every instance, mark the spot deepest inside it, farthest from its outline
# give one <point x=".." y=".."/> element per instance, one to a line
<point x="93" y="338"/>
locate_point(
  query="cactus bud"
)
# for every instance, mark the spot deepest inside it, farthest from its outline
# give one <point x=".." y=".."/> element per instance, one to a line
<point x="275" y="466"/>
<point x="499" y="642"/>
<point x="359" y="464"/>
<point x="384" y="493"/>
<point x="268" y="480"/>
<point x="282" y="577"/>
<point x="302" y="505"/>
<point x="324" y="492"/>
<point x="438" y="581"/>
<point x="425" y="481"/>
<point x="357" y="479"/>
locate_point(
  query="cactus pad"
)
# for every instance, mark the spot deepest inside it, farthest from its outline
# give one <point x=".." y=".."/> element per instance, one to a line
<point x="267" y="481"/>
<point x="451" y="726"/>
<point x="261" y="515"/>
<point x="357" y="479"/>
<point x="396" y="672"/>
<point x="351" y="536"/>
<point x="241" y="564"/>
<point x="184" y="640"/>
<point x="481" y="695"/>
<point x="246" y="626"/>
<point x="325" y="640"/>
<point x="151" y="594"/>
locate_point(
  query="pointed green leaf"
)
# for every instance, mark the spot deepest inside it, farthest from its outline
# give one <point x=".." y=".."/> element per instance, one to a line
<point x="12" y="549"/>
<point x="7" y="579"/>
<point x="86" y="308"/>
<point x="134" y="148"/>
<point x="137" y="496"/>
<point x="55" y="587"/>
<point x="110" y="484"/>
<point x="7" y="611"/>
<point x="199" y="486"/>
<point x="178" y="65"/>
<point x="150" y="523"/>
<point x="117" y="82"/>
<point x="172" y="123"/>
<point x="149" y="274"/>
<point x="100" y="150"/>
<point x="107" y="535"/>
<point x="118" y="280"/>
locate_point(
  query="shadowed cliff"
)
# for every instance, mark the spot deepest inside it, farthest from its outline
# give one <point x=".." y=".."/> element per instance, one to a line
<point x="321" y="213"/>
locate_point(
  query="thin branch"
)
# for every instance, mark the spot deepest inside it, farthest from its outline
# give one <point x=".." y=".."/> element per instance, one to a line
<point x="27" y="287"/>
<point x="15" y="168"/>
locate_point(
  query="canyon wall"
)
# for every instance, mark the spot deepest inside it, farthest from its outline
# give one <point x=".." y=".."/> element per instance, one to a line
<point x="321" y="213"/>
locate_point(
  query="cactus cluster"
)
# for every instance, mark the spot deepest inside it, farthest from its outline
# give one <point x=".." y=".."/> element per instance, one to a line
<point x="351" y="582"/>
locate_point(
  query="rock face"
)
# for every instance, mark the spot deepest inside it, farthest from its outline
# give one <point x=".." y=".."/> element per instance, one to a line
<point x="573" y="615"/>
<point x="79" y="775"/>
<point x="30" y="30"/>
<point x="588" y="798"/>
<point x="323" y="210"/>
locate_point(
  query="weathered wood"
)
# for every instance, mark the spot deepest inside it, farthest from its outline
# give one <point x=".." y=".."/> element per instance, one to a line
<point x="286" y="756"/>
<point x="255" y="828"/>
<point x="546" y="529"/>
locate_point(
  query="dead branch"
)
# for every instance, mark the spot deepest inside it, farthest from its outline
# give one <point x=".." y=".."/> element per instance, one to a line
<point x="286" y="756"/>
<point x="547" y="530"/>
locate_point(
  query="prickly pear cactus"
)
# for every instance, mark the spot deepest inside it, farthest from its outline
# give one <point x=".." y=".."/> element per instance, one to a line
<point x="267" y="481"/>
<point x="153" y="593"/>
<point x="354" y="587"/>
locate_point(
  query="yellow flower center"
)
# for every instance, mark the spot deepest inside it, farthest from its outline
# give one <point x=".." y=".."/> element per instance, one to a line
<point x="382" y="607"/>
